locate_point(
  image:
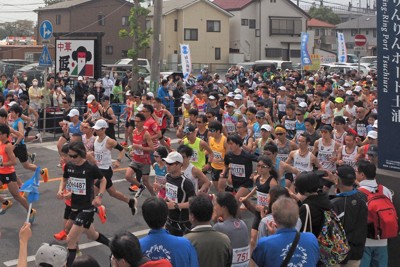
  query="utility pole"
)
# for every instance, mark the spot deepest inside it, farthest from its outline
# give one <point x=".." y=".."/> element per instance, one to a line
<point x="155" y="50"/>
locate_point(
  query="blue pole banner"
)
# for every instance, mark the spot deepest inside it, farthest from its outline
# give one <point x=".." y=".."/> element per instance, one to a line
<point x="388" y="21"/>
<point x="305" y="56"/>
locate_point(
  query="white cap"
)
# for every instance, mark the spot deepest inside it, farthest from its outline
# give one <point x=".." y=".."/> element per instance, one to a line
<point x="187" y="96"/>
<point x="341" y="88"/>
<point x="368" y="77"/>
<point x="349" y="92"/>
<point x="80" y="78"/>
<point x="73" y="112"/>
<point x="90" y="99"/>
<point x="375" y="124"/>
<point x="375" y="102"/>
<point x="173" y="157"/>
<point x="187" y="101"/>
<point x="12" y="103"/>
<point x="231" y="94"/>
<point x="150" y="94"/>
<point x="51" y="255"/>
<point x="140" y="107"/>
<point x="211" y="97"/>
<point x="358" y="88"/>
<point x="311" y="79"/>
<point x="266" y="127"/>
<point x="220" y="81"/>
<point x="346" y="85"/>
<point x="303" y="104"/>
<point x="100" y="124"/>
<point x="282" y="88"/>
<point x="231" y="103"/>
<point x="238" y="97"/>
<point x="128" y="93"/>
<point x="237" y="91"/>
<point x="372" y="134"/>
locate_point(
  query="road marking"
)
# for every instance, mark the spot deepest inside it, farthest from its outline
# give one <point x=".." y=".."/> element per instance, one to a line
<point x="81" y="247"/>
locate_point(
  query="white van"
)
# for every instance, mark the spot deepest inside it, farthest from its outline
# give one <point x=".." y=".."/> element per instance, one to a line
<point x="261" y="65"/>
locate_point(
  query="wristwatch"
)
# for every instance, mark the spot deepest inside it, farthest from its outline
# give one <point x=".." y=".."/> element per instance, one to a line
<point x="176" y="206"/>
<point x="100" y="195"/>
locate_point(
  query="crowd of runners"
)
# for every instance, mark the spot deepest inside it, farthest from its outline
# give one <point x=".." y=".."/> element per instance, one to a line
<point x="246" y="141"/>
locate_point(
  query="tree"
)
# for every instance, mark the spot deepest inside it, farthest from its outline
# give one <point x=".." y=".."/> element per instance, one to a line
<point x="51" y="2"/>
<point x="140" y="37"/>
<point x="324" y="13"/>
<point x="17" y="28"/>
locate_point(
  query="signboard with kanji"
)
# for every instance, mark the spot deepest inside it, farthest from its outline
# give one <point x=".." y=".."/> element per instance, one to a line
<point x="76" y="57"/>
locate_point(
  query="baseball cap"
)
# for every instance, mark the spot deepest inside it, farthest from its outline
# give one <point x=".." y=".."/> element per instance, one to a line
<point x="80" y="78"/>
<point x="51" y="255"/>
<point x="372" y="134"/>
<point x="140" y="107"/>
<point x="128" y="93"/>
<point x="187" y="101"/>
<point x="372" y="150"/>
<point x="220" y="81"/>
<point x="150" y="94"/>
<point x="311" y="79"/>
<point x="12" y="103"/>
<point x="189" y="129"/>
<point x="266" y="127"/>
<point x="282" y="88"/>
<point x="237" y="91"/>
<point x="90" y="99"/>
<point x="375" y="124"/>
<point x="358" y="88"/>
<point x="231" y="104"/>
<point x="100" y="124"/>
<point x="346" y="172"/>
<point x="341" y="88"/>
<point x="238" y="97"/>
<point x="303" y="104"/>
<point x="211" y="97"/>
<point x="260" y="113"/>
<point x="73" y="112"/>
<point x="230" y="94"/>
<point x="349" y="92"/>
<point x="339" y="100"/>
<point x="173" y="157"/>
<point x="346" y="85"/>
<point x="326" y="128"/>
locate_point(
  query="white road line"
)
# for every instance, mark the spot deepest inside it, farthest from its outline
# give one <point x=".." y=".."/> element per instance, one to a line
<point x="81" y="247"/>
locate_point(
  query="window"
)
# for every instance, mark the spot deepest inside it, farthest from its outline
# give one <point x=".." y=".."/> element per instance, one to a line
<point x="109" y="49"/>
<point x="316" y="32"/>
<point x="213" y="26"/>
<point x="58" y="19"/>
<point x="273" y="52"/>
<point x="125" y="21"/>
<point x="245" y="22"/>
<point x="217" y="53"/>
<point x="295" y="53"/>
<point x="258" y="33"/>
<point x="374" y="33"/>
<point x="175" y="25"/>
<point x="366" y="32"/>
<point x="101" y="19"/>
<point x="354" y="32"/>
<point x="124" y="53"/>
<point x="252" y="23"/>
<point x="285" y="26"/>
<point x="191" y="35"/>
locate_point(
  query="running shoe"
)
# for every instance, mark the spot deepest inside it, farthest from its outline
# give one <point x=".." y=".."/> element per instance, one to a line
<point x="39" y="137"/>
<point x="62" y="235"/>
<point x="132" y="204"/>
<point x="3" y="187"/>
<point x="140" y="191"/>
<point x="59" y="165"/>
<point x="133" y="188"/>
<point x="32" y="157"/>
<point x="32" y="216"/>
<point x="45" y="174"/>
<point x="101" y="212"/>
<point x="5" y="207"/>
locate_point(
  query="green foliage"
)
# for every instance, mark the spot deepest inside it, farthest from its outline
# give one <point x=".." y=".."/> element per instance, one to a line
<point x="324" y="13"/>
<point x="17" y="28"/>
<point x="51" y="2"/>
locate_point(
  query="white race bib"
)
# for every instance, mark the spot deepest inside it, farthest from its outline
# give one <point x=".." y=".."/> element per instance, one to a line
<point x="262" y="199"/>
<point x="241" y="257"/>
<point x="98" y="156"/>
<point x="78" y="186"/>
<point x="230" y="127"/>
<point x="238" y="170"/>
<point x="195" y="156"/>
<point x="171" y="192"/>
<point x="217" y="156"/>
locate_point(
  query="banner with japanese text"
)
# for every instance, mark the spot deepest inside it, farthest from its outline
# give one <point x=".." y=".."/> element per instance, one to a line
<point x="341" y="48"/>
<point x="186" y="61"/>
<point x="388" y="21"/>
<point x="76" y="57"/>
<point x="305" y="56"/>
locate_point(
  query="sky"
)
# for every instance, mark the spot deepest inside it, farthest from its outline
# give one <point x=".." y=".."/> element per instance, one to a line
<point x="23" y="9"/>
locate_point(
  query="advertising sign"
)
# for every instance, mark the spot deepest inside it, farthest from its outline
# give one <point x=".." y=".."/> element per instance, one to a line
<point x="76" y="57"/>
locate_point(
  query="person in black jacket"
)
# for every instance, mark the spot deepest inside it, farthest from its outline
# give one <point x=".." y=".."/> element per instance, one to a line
<point x="351" y="207"/>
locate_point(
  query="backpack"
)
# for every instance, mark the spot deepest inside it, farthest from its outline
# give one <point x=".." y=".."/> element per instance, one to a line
<point x="382" y="215"/>
<point x="332" y="240"/>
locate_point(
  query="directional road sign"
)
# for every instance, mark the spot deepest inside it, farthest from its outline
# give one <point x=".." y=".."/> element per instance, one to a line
<point x="46" y="29"/>
<point x="45" y="59"/>
<point x="360" y="40"/>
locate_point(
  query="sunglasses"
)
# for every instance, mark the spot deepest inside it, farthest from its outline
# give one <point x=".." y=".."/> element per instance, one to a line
<point x="170" y="164"/>
<point x="73" y="156"/>
<point x="199" y="121"/>
<point x="280" y="134"/>
<point x="212" y="130"/>
<point x="65" y="102"/>
<point x="257" y="117"/>
<point x="262" y="166"/>
<point x="298" y="114"/>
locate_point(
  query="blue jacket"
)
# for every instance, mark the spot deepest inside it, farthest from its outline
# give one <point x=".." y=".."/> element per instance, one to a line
<point x="271" y="251"/>
<point x="159" y="244"/>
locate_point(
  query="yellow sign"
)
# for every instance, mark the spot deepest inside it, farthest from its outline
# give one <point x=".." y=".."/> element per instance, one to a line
<point x="316" y="61"/>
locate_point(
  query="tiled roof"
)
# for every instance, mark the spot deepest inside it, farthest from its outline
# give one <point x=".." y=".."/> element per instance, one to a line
<point x="232" y="4"/>
<point x="319" y="23"/>
<point x="363" y="22"/>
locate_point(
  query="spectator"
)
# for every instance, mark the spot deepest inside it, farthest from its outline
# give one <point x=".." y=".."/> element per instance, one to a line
<point x="126" y="252"/>
<point x="117" y="92"/>
<point x="97" y="91"/>
<point x="108" y="83"/>
<point x="271" y="251"/>
<point x="80" y="90"/>
<point x="163" y="94"/>
<point x="178" y="250"/>
<point x="213" y="248"/>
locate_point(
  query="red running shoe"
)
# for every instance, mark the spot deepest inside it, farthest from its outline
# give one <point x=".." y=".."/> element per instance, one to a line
<point x="101" y="212"/>
<point x="62" y="235"/>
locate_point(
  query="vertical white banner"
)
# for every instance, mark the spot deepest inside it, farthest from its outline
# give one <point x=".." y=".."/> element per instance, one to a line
<point x="341" y="48"/>
<point x="186" y="61"/>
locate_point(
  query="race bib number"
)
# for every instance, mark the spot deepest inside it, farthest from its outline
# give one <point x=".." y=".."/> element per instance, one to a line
<point x="282" y="107"/>
<point x="138" y="152"/>
<point x="160" y="179"/>
<point x="230" y="127"/>
<point x="282" y="157"/>
<point x="171" y="192"/>
<point x="262" y="199"/>
<point x="78" y="186"/>
<point x="1" y="161"/>
<point x="217" y="156"/>
<point x="98" y="156"/>
<point x="238" y="170"/>
<point x="241" y="257"/>
<point x="195" y="156"/>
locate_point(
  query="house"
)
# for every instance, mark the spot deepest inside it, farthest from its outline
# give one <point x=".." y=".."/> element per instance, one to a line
<point x="365" y="25"/>
<point x="202" y="25"/>
<point x="265" y="29"/>
<point x="324" y="34"/>
<point x="91" y="16"/>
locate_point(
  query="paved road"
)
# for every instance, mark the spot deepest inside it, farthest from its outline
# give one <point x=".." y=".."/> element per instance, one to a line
<point x="50" y="212"/>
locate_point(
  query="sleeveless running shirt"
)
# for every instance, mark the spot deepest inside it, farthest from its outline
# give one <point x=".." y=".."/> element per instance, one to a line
<point x="199" y="157"/>
<point x="349" y="158"/>
<point x="102" y="154"/>
<point x="219" y="153"/>
<point x="3" y="159"/>
<point x="325" y="153"/>
<point x="139" y="155"/>
<point x="302" y="164"/>
<point x="188" y="174"/>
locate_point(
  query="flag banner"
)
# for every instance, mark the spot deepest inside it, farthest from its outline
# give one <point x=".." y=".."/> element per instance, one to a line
<point x="186" y="61"/>
<point x="32" y="187"/>
<point x="341" y="48"/>
<point x="305" y="56"/>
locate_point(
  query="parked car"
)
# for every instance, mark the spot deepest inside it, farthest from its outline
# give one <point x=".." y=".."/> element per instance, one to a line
<point x="166" y="75"/>
<point x="126" y="64"/>
<point x="9" y="66"/>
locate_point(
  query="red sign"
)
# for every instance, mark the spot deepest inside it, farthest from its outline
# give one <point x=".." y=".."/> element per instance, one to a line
<point x="360" y="40"/>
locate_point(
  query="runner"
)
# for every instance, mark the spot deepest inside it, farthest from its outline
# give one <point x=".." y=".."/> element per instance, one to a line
<point x="94" y="109"/>
<point x="160" y="169"/>
<point x="230" y="119"/>
<point x="285" y="146"/>
<point x="219" y="146"/>
<point x="327" y="149"/>
<point x="109" y="117"/>
<point x="347" y="155"/>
